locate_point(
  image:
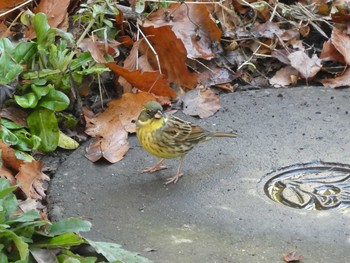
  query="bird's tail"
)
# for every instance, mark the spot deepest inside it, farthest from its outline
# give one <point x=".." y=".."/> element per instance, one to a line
<point x="224" y="134"/>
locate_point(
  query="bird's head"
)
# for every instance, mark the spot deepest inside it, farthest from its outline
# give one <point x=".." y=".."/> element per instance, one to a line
<point x="152" y="111"/>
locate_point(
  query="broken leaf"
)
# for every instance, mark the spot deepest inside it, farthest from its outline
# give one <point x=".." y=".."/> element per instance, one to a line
<point x="31" y="180"/>
<point x="307" y="67"/>
<point x="292" y="257"/>
<point x="202" y="102"/>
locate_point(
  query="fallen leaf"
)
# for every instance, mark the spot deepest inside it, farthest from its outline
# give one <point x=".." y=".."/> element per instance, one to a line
<point x="340" y="81"/>
<point x="307" y="67"/>
<point x="14" y="114"/>
<point x="32" y="180"/>
<point x="111" y="127"/>
<point x="202" y="102"/>
<point x="330" y="53"/>
<point x="98" y="49"/>
<point x="292" y="257"/>
<point x="6" y="173"/>
<point x="152" y="82"/>
<point x="341" y="42"/>
<point x="283" y="77"/>
<point x="9" y="158"/>
<point x="171" y="53"/>
<point x="193" y="24"/>
<point x="7" y="4"/>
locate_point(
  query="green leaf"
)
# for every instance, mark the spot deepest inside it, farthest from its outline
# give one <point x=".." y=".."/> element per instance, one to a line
<point x="25" y="217"/>
<point x="28" y="100"/>
<point x="41" y="91"/>
<point x="22" y="247"/>
<point x="10" y="124"/>
<point x="24" y="51"/>
<point x="64" y="240"/>
<point x="41" y="27"/>
<point x="9" y="68"/>
<point x="113" y="252"/>
<point x="3" y="258"/>
<point x="43" y="123"/>
<point x="8" y="137"/>
<point x="69" y="225"/>
<point x="26" y="141"/>
<point x="55" y="100"/>
<point x="5" y="188"/>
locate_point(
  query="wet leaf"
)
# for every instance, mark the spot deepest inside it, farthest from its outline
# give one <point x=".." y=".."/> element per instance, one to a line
<point x="202" y="102"/>
<point x="31" y="180"/>
<point x="307" y="67"/>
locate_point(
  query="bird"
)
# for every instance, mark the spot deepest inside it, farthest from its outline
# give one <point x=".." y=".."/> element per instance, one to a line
<point x="166" y="136"/>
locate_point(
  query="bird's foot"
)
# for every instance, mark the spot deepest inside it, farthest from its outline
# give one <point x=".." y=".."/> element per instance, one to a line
<point x="173" y="179"/>
<point x="158" y="166"/>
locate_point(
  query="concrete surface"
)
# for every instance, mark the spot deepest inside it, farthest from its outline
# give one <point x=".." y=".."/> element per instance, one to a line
<point x="216" y="212"/>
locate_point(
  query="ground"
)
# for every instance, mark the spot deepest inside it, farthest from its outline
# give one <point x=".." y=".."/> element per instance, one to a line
<point x="218" y="211"/>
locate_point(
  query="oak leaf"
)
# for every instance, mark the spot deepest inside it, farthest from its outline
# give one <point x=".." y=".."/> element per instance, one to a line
<point x="111" y="127"/>
<point x="32" y="180"/>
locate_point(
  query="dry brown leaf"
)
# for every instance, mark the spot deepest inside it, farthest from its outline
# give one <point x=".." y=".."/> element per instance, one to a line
<point x="292" y="257"/>
<point x="98" y="49"/>
<point x="284" y="77"/>
<point x="9" y="158"/>
<point x="330" y="53"/>
<point x="111" y="126"/>
<point x="341" y="81"/>
<point x="152" y="82"/>
<point x="56" y="12"/>
<point x="202" y="102"/>
<point x="341" y="42"/>
<point x="32" y="180"/>
<point x="307" y="67"/>
<point x="7" y="4"/>
<point x="171" y="53"/>
<point x="6" y="173"/>
<point x="192" y="24"/>
<point x="14" y="114"/>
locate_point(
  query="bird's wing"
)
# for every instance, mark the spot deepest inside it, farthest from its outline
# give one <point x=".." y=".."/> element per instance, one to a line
<point x="180" y="130"/>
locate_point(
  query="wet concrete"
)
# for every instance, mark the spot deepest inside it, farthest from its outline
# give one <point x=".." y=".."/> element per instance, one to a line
<point x="217" y="211"/>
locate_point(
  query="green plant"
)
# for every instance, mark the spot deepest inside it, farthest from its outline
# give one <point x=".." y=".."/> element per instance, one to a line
<point x="52" y="64"/>
<point x="98" y="16"/>
<point x="25" y="238"/>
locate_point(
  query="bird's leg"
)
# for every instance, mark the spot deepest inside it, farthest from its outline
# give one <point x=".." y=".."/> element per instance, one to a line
<point x="178" y="174"/>
<point x="158" y="166"/>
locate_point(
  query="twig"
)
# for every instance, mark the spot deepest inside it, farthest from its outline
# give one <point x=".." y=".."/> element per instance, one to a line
<point x="153" y="50"/>
<point x="17" y="7"/>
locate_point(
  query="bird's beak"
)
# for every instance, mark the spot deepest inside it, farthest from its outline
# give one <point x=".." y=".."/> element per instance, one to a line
<point x="158" y="115"/>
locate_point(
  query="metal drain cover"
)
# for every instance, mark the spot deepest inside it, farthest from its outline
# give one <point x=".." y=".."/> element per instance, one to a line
<point x="309" y="186"/>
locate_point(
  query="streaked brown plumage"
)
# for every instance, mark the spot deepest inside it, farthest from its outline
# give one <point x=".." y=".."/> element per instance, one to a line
<point x="167" y="136"/>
